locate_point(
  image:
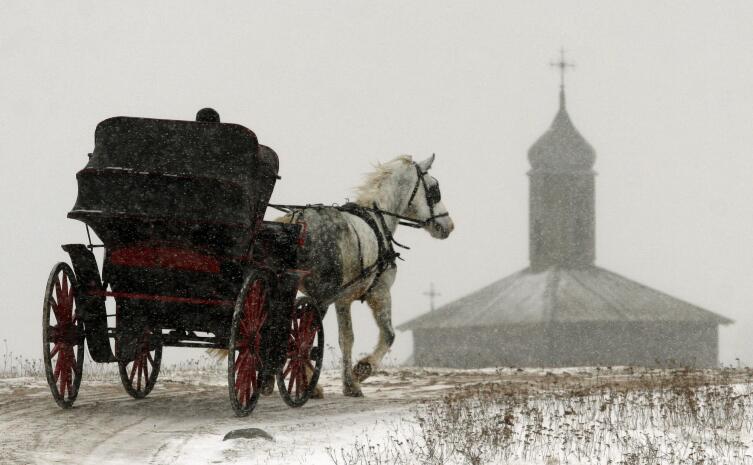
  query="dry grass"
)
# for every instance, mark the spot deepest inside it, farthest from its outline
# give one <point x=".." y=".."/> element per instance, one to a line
<point x="16" y="366"/>
<point x="614" y="417"/>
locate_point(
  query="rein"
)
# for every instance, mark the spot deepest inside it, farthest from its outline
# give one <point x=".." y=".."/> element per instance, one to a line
<point x="386" y="254"/>
<point x="403" y="220"/>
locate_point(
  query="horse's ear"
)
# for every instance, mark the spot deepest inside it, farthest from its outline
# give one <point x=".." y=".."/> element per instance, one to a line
<point x="426" y="164"/>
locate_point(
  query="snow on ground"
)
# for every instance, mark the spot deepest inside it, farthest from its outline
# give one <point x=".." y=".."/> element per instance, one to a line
<point x="185" y="417"/>
<point x="546" y="416"/>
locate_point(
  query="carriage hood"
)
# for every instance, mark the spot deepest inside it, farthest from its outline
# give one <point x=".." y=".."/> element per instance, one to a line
<point x="183" y="175"/>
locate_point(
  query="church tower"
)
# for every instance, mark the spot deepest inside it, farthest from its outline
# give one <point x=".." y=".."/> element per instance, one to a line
<point x="561" y="194"/>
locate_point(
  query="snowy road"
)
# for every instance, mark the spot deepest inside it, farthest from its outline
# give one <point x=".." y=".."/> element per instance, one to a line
<point x="184" y="423"/>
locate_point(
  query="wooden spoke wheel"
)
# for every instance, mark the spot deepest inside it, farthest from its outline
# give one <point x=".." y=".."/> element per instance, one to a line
<point x="140" y="374"/>
<point x="299" y="374"/>
<point x="62" y="336"/>
<point x="245" y="367"/>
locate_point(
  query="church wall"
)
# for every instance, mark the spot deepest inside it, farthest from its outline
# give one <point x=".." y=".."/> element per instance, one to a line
<point x="633" y="343"/>
<point x="515" y="345"/>
<point x="569" y="344"/>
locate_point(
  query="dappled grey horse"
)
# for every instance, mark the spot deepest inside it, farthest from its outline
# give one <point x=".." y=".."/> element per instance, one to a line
<point x="349" y="251"/>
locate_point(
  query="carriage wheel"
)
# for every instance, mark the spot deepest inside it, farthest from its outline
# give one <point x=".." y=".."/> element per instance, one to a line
<point x="140" y="374"/>
<point x="245" y="369"/>
<point x="305" y="351"/>
<point x="62" y="336"/>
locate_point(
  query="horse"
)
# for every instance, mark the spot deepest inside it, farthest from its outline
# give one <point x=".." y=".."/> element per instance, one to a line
<point x="349" y="252"/>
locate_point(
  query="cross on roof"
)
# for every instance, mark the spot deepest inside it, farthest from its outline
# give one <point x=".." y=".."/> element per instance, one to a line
<point x="562" y="65"/>
<point x="431" y="293"/>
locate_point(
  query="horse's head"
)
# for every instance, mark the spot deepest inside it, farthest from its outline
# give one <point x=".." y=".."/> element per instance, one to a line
<point x="425" y="203"/>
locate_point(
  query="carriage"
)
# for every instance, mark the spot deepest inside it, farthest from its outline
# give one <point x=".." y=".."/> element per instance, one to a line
<point x="188" y="260"/>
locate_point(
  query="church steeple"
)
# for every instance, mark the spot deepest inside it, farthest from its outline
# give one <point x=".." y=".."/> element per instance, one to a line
<point x="562" y="219"/>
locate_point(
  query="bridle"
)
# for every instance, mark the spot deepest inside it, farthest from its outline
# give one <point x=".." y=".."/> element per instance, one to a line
<point x="433" y="197"/>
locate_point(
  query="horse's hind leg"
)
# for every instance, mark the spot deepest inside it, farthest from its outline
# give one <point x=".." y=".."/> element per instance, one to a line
<point x="351" y="387"/>
<point x="380" y="302"/>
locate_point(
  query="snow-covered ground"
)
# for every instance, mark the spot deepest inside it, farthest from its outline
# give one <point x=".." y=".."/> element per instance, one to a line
<point x="575" y="416"/>
<point x="185" y="418"/>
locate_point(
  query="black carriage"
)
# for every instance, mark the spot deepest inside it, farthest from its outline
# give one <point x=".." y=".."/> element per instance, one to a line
<point x="188" y="260"/>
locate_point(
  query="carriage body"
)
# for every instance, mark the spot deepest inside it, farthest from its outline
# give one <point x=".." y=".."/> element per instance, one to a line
<point x="179" y="208"/>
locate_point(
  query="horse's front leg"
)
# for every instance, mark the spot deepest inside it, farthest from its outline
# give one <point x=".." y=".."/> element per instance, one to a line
<point x="351" y="387"/>
<point x="380" y="302"/>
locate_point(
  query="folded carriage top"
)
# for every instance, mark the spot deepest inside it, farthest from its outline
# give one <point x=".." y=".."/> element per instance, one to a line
<point x="200" y="183"/>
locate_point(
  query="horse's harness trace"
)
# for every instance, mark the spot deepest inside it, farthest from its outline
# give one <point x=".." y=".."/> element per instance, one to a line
<point x="386" y="254"/>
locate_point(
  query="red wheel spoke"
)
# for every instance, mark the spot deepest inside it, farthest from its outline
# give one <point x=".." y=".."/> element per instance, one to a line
<point x="58" y="366"/>
<point x="62" y="385"/>
<point x="62" y="373"/>
<point x="65" y="362"/>
<point x="65" y="287"/>
<point x="69" y="384"/>
<point x="55" y="350"/>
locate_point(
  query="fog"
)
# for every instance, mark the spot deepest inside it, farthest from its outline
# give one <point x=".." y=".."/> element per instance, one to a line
<point x="663" y="91"/>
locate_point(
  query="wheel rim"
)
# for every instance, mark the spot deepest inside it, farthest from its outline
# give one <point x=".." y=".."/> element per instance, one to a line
<point x="245" y="362"/>
<point x="63" y="336"/>
<point x="300" y="373"/>
<point x="140" y="374"/>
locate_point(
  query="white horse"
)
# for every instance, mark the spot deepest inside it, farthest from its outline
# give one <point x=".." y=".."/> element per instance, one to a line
<point x="349" y="251"/>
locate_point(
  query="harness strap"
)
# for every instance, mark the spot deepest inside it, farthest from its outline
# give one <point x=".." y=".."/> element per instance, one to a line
<point x="358" y="243"/>
<point x="386" y="255"/>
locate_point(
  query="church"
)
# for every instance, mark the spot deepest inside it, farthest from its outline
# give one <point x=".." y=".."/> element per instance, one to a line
<point x="563" y="310"/>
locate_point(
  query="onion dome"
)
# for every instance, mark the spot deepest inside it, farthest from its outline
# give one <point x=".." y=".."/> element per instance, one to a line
<point x="562" y="148"/>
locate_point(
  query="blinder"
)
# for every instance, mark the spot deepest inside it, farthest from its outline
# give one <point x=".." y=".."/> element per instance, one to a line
<point x="433" y="195"/>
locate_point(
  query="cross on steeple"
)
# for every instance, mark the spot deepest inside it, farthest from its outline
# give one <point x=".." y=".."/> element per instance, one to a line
<point x="562" y="65"/>
<point x="431" y="293"/>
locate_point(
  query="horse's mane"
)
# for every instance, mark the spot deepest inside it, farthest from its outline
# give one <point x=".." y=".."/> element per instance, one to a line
<point x="369" y="190"/>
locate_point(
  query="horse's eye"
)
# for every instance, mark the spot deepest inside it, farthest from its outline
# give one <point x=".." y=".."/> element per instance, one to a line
<point x="433" y="196"/>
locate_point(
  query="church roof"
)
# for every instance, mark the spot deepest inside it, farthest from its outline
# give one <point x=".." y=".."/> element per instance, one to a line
<point x="562" y="147"/>
<point x="563" y="295"/>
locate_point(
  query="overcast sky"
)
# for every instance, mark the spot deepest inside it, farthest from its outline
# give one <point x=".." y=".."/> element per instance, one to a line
<point x="662" y="90"/>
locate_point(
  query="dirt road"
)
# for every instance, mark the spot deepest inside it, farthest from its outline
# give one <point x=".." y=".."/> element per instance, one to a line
<point x="184" y="422"/>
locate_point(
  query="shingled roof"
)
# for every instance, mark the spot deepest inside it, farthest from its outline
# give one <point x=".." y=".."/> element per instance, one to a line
<point x="562" y="295"/>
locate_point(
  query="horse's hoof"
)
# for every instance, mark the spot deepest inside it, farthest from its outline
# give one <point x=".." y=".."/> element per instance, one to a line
<point x="362" y="370"/>
<point x="318" y="393"/>
<point x="352" y="392"/>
